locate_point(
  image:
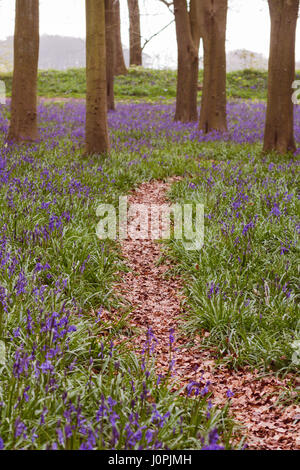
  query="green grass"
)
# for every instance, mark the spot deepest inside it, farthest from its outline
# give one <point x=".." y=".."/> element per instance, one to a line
<point x="90" y="369"/>
<point x="242" y="286"/>
<point x="142" y="83"/>
<point x="247" y="84"/>
<point x="252" y="317"/>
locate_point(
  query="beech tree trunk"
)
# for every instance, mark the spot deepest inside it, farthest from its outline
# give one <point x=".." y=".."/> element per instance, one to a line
<point x="188" y="39"/>
<point x="213" y="15"/>
<point x="134" y="33"/>
<point x="97" y="140"/>
<point x="120" y="67"/>
<point x="23" y="124"/>
<point x="110" y="53"/>
<point x="195" y="22"/>
<point x="279" y="128"/>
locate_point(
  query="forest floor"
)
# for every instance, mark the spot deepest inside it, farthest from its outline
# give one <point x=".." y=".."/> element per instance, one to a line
<point x="157" y="303"/>
<point x="143" y="84"/>
<point x="139" y="344"/>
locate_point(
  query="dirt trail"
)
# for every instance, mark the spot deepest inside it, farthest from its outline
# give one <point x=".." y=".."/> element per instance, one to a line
<point x="157" y="304"/>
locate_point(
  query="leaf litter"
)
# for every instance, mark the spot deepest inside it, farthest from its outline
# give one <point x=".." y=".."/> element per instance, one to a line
<point x="156" y="302"/>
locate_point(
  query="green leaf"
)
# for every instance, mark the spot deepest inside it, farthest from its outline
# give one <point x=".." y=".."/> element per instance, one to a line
<point x="2" y="353"/>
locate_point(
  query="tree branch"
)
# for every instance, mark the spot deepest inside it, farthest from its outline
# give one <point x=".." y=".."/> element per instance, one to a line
<point x="168" y="4"/>
<point x="156" y="34"/>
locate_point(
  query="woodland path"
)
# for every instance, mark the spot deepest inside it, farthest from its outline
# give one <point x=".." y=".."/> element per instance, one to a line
<point x="157" y="303"/>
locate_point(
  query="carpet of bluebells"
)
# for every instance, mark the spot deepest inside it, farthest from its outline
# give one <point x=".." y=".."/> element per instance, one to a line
<point x="66" y="382"/>
<point x="243" y="287"/>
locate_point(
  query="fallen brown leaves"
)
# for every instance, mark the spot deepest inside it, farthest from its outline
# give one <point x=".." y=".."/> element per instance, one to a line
<point x="157" y="304"/>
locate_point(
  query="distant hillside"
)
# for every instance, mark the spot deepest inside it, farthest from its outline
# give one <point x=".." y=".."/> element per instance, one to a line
<point x="62" y="53"/>
<point x="242" y="59"/>
<point x="56" y="52"/>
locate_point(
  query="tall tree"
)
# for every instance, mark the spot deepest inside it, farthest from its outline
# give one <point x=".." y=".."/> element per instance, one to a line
<point x="120" y="67"/>
<point x="134" y="33"/>
<point x="97" y="140"/>
<point x="279" y="128"/>
<point x="188" y="39"/>
<point x="213" y="14"/>
<point x="110" y="52"/>
<point x="23" y="124"/>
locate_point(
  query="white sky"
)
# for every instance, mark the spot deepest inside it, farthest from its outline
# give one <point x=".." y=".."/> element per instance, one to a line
<point x="248" y="24"/>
